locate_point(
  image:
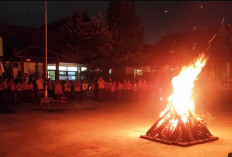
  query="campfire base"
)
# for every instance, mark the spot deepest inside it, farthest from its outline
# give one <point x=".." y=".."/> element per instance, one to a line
<point x="177" y="143"/>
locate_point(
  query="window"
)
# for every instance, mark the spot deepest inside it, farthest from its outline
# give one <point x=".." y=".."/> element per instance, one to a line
<point x="62" y="72"/>
<point x="72" y="68"/>
<point x="51" y="74"/>
<point x="110" y="71"/>
<point x="72" y="77"/>
<point x="83" y="68"/>
<point x="62" y="68"/>
<point x="63" y="77"/>
<point x="71" y="73"/>
<point x="65" y="72"/>
<point x="139" y="72"/>
<point x="51" y="67"/>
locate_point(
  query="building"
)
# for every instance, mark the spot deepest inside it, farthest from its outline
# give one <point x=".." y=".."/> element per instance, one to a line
<point x="24" y="53"/>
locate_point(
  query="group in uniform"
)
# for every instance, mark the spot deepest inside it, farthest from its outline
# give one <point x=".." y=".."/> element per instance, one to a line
<point x="126" y="90"/>
<point x="25" y="90"/>
<point x="15" y="92"/>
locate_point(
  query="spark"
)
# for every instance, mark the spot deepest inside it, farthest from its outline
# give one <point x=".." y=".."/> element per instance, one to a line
<point x="201" y="6"/>
<point x="194" y="28"/>
<point x="208" y="48"/>
<point x="212" y="38"/>
<point x="223" y="21"/>
<point x="194" y="46"/>
<point x="166" y="11"/>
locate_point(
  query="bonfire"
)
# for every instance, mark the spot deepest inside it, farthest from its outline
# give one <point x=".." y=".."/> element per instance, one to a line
<point x="178" y="123"/>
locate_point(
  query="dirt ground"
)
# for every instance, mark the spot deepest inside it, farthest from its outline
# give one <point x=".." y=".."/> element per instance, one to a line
<point x="86" y="129"/>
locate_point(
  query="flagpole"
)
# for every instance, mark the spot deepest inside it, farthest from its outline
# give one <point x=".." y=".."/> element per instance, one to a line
<point x="46" y="51"/>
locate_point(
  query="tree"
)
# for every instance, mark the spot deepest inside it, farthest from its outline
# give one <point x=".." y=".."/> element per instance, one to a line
<point x="125" y="26"/>
<point x="226" y="35"/>
<point x="89" y="37"/>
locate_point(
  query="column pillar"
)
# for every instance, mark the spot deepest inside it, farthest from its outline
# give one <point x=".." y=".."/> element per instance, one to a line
<point x="22" y="67"/>
<point x="11" y="67"/>
<point x="57" y="71"/>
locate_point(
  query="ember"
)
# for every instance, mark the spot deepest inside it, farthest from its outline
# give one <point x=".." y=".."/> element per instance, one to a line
<point x="178" y="123"/>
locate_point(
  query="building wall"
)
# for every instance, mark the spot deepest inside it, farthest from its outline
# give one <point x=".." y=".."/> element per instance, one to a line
<point x="30" y="68"/>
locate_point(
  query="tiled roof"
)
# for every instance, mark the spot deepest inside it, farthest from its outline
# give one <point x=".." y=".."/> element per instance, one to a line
<point x="18" y="37"/>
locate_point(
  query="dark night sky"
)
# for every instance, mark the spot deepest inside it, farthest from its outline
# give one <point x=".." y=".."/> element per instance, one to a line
<point x="182" y="16"/>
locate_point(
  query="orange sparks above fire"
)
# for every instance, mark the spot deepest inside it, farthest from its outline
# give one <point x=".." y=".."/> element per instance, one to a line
<point x="178" y="124"/>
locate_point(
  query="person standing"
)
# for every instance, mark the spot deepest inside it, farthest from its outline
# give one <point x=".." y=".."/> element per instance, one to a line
<point x="144" y="90"/>
<point x="11" y="86"/>
<point x="50" y="88"/>
<point x="18" y="88"/>
<point x="1" y="93"/>
<point x="5" y="85"/>
<point x="84" y="89"/>
<point x="108" y="90"/>
<point x="150" y="91"/>
<point x="58" y="89"/>
<point x="113" y="89"/>
<point x="119" y="91"/>
<point x="92" y="89"/>
<point x="77" y="89"/>
<point x="140" y="91"/>
<point x="25" y="92"/>
<point x="67" y="89"/>
<point x="124" y="89"/>
<point x="129" y="91"/>
<point x="40" y="87"/>
<point x="5" y="91"/>
<point x="101" y="89"/>
<point x="134" y="92"/>
<point x="31" y="91"/>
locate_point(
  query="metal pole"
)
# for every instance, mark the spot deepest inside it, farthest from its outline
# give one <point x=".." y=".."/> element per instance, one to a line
<point x="46" y="51"/>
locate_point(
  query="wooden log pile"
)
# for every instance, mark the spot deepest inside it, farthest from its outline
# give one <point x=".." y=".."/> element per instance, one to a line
<point x="192" y="132"/>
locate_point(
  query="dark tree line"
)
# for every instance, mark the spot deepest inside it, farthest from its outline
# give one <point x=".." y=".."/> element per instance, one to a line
<point x="106" y="42"/>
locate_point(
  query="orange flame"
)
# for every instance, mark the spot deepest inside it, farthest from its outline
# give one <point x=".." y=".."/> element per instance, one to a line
<point x="181" y="101"/>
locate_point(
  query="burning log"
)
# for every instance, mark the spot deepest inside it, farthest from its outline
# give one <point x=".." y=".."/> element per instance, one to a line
<point x="178" y="124"/>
